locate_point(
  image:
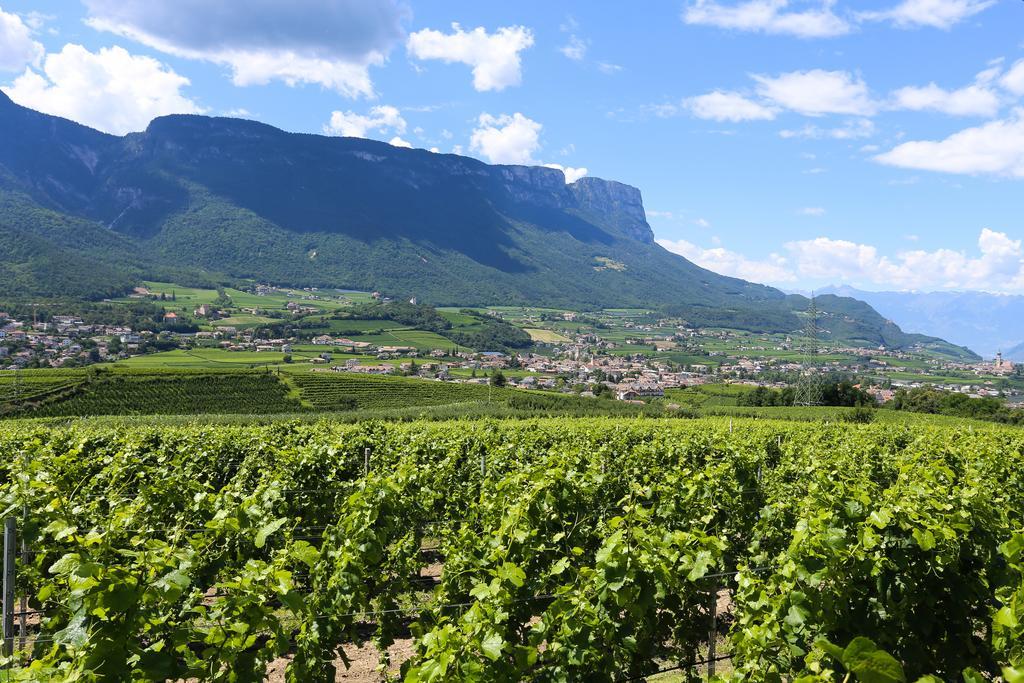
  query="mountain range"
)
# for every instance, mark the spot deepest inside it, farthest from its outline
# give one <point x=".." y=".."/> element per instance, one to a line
<point x="987" y="323"/>
<point x="195" y="198"/>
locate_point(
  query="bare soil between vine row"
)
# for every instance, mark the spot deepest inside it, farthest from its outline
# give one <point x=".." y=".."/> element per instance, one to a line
<point x="364" y="661"/>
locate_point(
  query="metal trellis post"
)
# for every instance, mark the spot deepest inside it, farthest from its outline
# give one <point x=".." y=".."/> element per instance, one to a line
<point x="23" y="606"/>
<point x="10" y="545"/>
<point x="713" y="634"/>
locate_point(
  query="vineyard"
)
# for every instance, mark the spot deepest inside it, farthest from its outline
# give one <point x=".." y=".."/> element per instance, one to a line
<point x="249" y="392"/>
<point x="337" y="391"/>
<point x="395" y="397"/>
<point x="552" y="550"/>
<point x="167" y="393"/>
<point x="18" y="389"/>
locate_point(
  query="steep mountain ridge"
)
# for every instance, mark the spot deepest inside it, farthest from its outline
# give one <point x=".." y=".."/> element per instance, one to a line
<point x="247" y="200"/>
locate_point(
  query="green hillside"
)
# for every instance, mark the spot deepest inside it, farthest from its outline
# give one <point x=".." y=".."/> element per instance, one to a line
<point x="86" y="213"/>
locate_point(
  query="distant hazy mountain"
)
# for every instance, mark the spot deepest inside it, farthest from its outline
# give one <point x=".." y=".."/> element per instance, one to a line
<point x="83" y="212"/>
<point x="986" y="323"/>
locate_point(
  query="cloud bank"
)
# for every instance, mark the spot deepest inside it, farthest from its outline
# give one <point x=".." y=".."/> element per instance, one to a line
<point x="331" y="43"/>
<point x="997" y="265"/>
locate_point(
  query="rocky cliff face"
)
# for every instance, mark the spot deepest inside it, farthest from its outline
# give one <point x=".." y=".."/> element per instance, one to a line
<point x="194" y="144"/>
<point x="620" y="202"/>
<point x="607" y="201"/>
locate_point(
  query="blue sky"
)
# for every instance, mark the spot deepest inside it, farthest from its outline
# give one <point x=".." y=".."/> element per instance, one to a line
<point x="874" y="143"/>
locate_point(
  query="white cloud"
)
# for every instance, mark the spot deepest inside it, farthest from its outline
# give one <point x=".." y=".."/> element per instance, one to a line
<point x="651" y="213"/>
<point x="666" y="110"/>
<point x="702" y="222"/>
<point x="1013" y="79"/>
<point x="571" y="174"/>
<point x="769" y="16"/>
<point x="575" y="49"/>
<point x="111" y="90"/>
<point x="382" y="119"/>
<point x="997" y="267"/>
<point x="331" y="43"/>
<point x="973" y="100"/>
<point x="36" y="20"/>
<point x="399" y="142"/>
<point x="817" y="92"/>
<point x="493" y="56"/>
<point x="822" y="258"/>
<point x="731" y="263"/>
<point x="351" y="80"/>
<point x="812" y="211"/>
<point x="943" y="14"/>
<point x="506" y="139"/>
<point x="996" y="147"/>
<point x="17" y="48"/>
<point x="727" y="106"/>
<point x="608" y="68"/>
<point x="850" y="130"/>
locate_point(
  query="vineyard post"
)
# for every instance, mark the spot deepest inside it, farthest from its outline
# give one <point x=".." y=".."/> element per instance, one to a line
<point x="10" y="542"/>
<point x="366" y="461"/>
<point x="713" y="633"/>
<point x="23" y="606"/>
<point x="483" y="464"/>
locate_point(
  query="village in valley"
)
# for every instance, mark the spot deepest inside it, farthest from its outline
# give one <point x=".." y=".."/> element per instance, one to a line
<point x="628" y="355"/>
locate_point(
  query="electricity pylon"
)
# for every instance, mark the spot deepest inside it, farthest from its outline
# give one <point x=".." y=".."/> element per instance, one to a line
<point x="808" y="389"/>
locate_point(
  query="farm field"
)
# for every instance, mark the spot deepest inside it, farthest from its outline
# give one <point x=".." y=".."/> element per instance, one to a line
<point x="193" y="297"/>
<point x="243" y="321"/>
<point x="243" y="383"/>
<point x="421" y="339"/>
<point x="296" y="389"/>
<point x="187" y="552"/>
<point x="943" y="379"/>
<point x="545" y="336"/>
<point x="337" y="326"/>
<point x="342" y="391"/>
<point x="456" y="317"/>
<point x="211" y="358"/>
<point x="171" y="393"/>
<point x="35" y="386"/>
<point x="708" y="394"/>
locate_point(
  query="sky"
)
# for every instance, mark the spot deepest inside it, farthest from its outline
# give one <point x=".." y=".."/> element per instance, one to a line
<point x="799" y="143"/>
